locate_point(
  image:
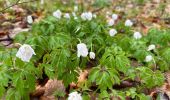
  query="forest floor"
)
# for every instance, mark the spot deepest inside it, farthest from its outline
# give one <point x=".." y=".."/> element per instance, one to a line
<point x="152" y="13"/>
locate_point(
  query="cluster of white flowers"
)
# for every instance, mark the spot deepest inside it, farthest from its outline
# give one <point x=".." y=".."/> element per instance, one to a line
<point x="112" y="32"/>
<point x="128" y="23"/>
<point x="137" y="35"/>
<point x="29" y="19"/>
<point x="57" y="14"/>
<point x="111" y="21"/>
<point x="75" y="96"/>
<point x="87" y="16"/>
<point x="25" y="53"/>
<point x="148" y="58"/>
<point x="151" y="47"/>
<point x="83" y="51"/>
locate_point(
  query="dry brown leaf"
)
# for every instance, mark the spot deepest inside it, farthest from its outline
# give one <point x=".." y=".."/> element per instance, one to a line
<point x="82" y="77"/>
<point x="53" y="85"/>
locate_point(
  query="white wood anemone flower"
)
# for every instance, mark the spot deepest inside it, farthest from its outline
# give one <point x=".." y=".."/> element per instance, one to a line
<point x="137" y="35"/>
<point x="25" y="53"/>
<point x="111" y="22"/>
<point x="67" y="16"/>
<point x="114" y="16"/>
<point x="74" y="15"/>
<point x="112" y="32"/>
<point x="29" y="19"/>
<point x="92" y="55"/>
<point x="75" y="96"/>
<point x="82" y="50"/>
<point x="151" y="47"/>
<point x="87" y="16"/>
<point x="57" y="14"/>
<point x="42" y="2"/>
<point x="128" y="23"/>
<point x="75" y="8"/>
<point x="148" y="58"/>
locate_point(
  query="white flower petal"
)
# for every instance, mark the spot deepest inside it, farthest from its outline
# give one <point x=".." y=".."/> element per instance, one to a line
<point x="92" y="55"/>
<point x="128" y="23"/>
<point x="151" y="47"/>
<point x="57" y="14"/>
<point x="42" y="2"/>
<point x="29" y="19"/>
<point x="75" y="8"/>
<point x="67" y="16"/>
<point x="87" y="16"/>
<point x="137" y="35"/>
<point x="114" y="16"/>
<point x="75" y="96"/>
<point x="82" y="50"/>
<point x="111" y="22"/>
<point x="148" y="58"/>
<point x="112" y="32"/>
<point x="25" y="53"/>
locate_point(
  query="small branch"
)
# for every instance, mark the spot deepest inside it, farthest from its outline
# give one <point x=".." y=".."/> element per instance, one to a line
<point x="97" y="10"/>
<point x="17" y="3"/>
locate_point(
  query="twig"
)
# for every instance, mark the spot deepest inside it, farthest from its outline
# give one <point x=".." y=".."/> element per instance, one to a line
<point x="17" y="3"/>
<point x="97" y="10"/>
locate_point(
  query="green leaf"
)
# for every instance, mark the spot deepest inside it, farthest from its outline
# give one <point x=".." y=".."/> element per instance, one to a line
<point x="104" y="95"/>
<point x="150" y="78"/>
<point x="104" y="77"/>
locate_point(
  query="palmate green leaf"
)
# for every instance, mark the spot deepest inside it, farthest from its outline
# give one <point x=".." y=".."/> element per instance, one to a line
<point x="104" y="81"/>
<point x="58" y="40"/>
<point x="165" y="53"/>
<point x="60" y="60"/>
<point x="29" y="82"/>
<point x="2" y="91"/>
<point x="124" y="43"/>
<point x="104" y="78"/>
<point x="4" y="78"/>
<point x="86" y="97"/>
<point x="131" y="92"/>
<point x="12" y="94"/>
<point x="143" y="97"/>
<point x="162" y="65"/>
<point x="93" y="74"/>
<point x="18" y="82"/>
<point x="23" y="82"/>
<point x="156" y="36"/>
<point x="150" y="78"/>
<point x="104" y="95"/>
<point x="68" y="77"/>
<point x="122" y="63"/>
<point x="114" y="57"/>
<point x="140" y="54"/>
<point x="49" y="70"/>
<point x="118" y="94"/>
